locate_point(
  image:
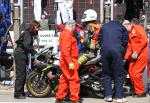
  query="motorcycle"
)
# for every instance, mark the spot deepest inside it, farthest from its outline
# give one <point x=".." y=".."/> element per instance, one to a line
<point x="44" y="78"/>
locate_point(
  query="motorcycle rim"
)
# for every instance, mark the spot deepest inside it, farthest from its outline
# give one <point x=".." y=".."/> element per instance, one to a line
<point x="34" y="85"/>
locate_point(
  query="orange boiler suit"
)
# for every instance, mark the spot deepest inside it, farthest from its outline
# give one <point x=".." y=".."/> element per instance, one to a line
<point x="69" y="78"/>
<point x="138" y="43"/>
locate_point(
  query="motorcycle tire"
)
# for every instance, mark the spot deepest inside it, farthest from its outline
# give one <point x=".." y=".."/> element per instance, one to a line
<point x="7" y="69"/>
<point x="6" y="62"/>
<point x="97" y="90"/>
<point x="97" y="94"/>
<point x="92" y="92"/>
<point x="34" y="85"/>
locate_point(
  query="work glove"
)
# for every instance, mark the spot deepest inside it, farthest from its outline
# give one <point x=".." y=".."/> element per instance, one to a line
<point x="134" y="55"/>
<point x="71" y="66"/>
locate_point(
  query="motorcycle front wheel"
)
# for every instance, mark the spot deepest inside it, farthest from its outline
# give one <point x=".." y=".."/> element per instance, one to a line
<point x="36" y="87"/>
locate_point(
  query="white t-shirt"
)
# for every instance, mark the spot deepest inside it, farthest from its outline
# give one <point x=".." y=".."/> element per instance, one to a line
<point x="65" y="9"/>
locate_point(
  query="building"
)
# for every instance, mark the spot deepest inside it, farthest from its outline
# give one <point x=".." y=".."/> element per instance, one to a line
<point x="79" y="6"/>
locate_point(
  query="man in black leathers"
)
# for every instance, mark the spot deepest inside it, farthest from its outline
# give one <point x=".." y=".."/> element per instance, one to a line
<point x="24" y="46"/>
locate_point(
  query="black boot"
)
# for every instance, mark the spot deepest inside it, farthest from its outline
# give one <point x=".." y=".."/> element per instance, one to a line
<point x="139" y="95"/>
<point x="60" y="101"/>
<point x="19" y="97"/>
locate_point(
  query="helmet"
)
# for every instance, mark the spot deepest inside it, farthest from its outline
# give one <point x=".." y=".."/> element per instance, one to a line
<point x="89" y="15"/>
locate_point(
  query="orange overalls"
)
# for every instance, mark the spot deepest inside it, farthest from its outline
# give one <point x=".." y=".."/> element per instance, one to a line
<point x="138" y="43"/>
<point x="69" y="78"/>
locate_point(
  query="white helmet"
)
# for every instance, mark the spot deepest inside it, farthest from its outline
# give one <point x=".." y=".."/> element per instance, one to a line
<point x="89" y="15"/>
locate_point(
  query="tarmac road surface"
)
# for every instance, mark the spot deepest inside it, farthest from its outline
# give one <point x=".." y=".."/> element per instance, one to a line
<point x="6" y="96"/>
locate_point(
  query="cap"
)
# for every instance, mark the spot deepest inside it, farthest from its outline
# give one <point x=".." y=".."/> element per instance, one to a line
<point x="126" y="22"/>
<point x="71" y="22"/>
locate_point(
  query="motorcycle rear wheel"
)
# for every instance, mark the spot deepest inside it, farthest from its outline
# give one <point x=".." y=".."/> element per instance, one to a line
<point x="36" y="87"/>
<point x="97" y="90"/>
<point x="6" y="62"/>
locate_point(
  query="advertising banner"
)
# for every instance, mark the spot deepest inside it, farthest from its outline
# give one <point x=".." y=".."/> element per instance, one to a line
<point x="48" y="38"/>
<point x="44" y="38"/>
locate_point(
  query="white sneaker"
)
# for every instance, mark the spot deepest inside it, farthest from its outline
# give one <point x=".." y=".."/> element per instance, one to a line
<point x="108" y="99"/>
<point x="121" y="100"/>
<point x="124" y="99"/>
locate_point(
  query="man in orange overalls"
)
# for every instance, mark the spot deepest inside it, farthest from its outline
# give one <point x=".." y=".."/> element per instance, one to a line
<point x="137" y="56"/>
<point x="68" y="65"/>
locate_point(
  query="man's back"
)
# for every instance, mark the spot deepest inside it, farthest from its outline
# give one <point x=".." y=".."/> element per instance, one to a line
<point x="112" y="36"/>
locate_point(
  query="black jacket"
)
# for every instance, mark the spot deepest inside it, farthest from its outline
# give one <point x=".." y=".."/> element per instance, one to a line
<point x="25" y="42"/>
